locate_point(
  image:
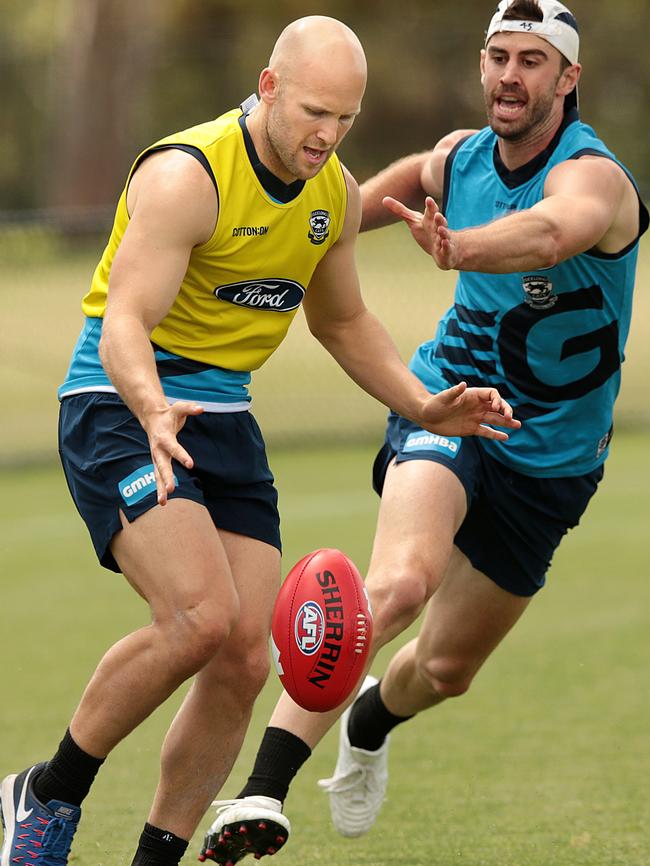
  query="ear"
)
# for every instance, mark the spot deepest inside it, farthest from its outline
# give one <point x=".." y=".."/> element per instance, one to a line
<point x="569" y="79"/>
<point x="268" y="85"/>
<point x="482" y="65"/>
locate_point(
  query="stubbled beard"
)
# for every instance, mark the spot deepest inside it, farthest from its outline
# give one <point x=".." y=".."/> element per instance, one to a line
<point x="281" y="154"/>
<point x="540" y="112"/>
<point x="289" y="159"/>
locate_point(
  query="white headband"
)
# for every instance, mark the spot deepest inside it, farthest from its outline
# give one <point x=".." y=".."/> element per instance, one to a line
<point x="559" y="27"/>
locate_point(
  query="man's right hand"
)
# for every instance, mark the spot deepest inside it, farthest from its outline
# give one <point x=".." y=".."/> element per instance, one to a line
<point x="162" y="428"/>
<point x="429" y="230"/>
<point x="463" y="411"/>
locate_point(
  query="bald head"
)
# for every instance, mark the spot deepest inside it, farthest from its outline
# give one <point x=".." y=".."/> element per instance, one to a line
<point x="310" y="94"/>
<point x="317" y="42"/>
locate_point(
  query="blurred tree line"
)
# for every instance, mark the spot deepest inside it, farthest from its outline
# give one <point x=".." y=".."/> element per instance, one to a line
<point x="88" y="83"/>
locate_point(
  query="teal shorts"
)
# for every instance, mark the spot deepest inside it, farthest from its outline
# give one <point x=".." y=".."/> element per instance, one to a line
<point x="514" y="522"/>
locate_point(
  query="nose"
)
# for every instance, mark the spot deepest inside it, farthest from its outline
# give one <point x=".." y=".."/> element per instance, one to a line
<point x="510" y="73"/>
<point x="328" y="132"/>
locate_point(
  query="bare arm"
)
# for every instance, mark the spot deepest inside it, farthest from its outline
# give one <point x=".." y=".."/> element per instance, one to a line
<point x="408" y="179"/>
<point x="339" y="319"/>
<point x="172" y="204"/>
<point x="401" y="179"/>
<point x="587" y="203"/>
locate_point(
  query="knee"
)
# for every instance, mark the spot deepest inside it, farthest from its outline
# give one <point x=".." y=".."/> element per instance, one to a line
<point x="196" y="632"/>
<point x="241" y="670"/>
<point x="446" y="677"/>
<point x="397" y="597"/>
<point x="252" y="672"/>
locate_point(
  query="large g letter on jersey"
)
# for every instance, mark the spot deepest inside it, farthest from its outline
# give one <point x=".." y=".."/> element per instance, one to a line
<point x="601" y="344"/>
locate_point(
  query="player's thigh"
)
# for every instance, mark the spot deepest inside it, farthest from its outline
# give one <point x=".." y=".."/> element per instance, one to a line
<point x="225" y="537"/>
<point x="465" y="620"/>
<point x="242" y="662"/>
<point x="255" y="567"/>
<point x="423" y="504"/>
<point x="426" y="482"/>
<point x="174" y="557"/>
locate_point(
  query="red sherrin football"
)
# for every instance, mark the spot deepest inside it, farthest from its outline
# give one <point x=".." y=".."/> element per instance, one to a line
<point x="321" y="630"/>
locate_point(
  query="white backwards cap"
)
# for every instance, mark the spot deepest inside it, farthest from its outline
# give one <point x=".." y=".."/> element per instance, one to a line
<point x="558" y="27"/>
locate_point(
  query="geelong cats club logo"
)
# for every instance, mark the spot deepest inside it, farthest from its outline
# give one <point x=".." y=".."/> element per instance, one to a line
<point x="539" y="292"/>
<point x="319" y="224"/>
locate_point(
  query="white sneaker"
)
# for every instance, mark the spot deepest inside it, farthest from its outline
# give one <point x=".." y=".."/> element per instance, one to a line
<point x="358" y="786"/>
<point x="252" y="825"/>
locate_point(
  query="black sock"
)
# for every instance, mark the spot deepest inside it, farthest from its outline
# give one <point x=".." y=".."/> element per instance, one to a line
<point x="280" y="755"/>
<point x="159" y="848"/>
<point x="370" y="721"/>
<point x="69" y="775"/>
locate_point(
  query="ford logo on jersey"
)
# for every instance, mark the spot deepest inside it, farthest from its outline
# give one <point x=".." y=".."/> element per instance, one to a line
<point x="276" y="295"/>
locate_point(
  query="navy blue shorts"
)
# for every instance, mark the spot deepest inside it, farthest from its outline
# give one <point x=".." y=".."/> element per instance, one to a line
<point x="514" y="522"/>
<point x="107" y="464"/>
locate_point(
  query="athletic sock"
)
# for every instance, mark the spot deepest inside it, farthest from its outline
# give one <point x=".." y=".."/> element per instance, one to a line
<point x="280" y="755"/>
<point x="69" y="775"/>
<point x="159" y="848"/>
<point x="370" y="721"/>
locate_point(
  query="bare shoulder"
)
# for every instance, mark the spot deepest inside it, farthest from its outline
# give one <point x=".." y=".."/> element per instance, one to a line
<point x="606" y="187"/>
<point x="174" y="185"/>
<point x="587" y="169"/>
<point x="350" y="181"/>
<point x="353" y="210"/>
<point x="433" y="171"/>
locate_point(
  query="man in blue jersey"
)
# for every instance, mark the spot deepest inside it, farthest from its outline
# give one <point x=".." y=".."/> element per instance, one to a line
<point x="165" y="462"/>
<point x="542" y="223"/>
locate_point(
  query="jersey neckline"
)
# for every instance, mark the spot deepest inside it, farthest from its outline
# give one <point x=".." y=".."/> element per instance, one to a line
<point x="524" y="173"/>
<point x="272" y="185"/>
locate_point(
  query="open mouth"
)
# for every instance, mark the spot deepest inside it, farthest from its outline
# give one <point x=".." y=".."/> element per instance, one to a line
<point x="509" y="106"/>
<point x="314" y="155"/>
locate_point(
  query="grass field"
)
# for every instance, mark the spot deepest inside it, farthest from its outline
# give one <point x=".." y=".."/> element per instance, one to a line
<point x="544" y="763"/>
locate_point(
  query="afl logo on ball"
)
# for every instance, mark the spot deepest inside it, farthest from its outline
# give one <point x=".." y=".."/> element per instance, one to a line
<point x="309" y="628"/>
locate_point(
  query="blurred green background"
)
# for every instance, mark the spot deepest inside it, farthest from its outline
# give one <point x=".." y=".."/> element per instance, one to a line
<point x="86" y="84"/>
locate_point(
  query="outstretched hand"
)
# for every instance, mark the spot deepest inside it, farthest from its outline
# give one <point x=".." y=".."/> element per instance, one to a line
<point x="430" y="230"/>
<point x="162" y="428"/>
<point x="463" y="411"/>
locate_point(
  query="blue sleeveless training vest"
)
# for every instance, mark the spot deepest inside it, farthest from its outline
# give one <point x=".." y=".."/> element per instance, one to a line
<point x="552" y="340"/>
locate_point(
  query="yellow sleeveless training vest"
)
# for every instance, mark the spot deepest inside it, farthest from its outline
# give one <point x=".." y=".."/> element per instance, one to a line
<point x="243" y="287"/>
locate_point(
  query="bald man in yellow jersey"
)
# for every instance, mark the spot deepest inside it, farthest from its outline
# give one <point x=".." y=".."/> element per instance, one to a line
<point x="221" y="233"/>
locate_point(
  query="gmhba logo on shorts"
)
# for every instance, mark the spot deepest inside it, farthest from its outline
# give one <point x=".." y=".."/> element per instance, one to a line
<point x="276" y="295"/>
<point x="422" y="440"/>
<point x="139" y="484"/>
